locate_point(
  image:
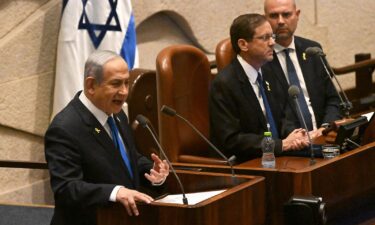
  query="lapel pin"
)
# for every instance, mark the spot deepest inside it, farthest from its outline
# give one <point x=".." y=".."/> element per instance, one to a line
<point x="304" y="56"/>
<point x="97" y="130"/>
<point x="268" y="86"/>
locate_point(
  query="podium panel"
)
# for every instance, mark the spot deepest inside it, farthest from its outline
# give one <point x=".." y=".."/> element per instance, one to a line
<point x="242" y="202"/>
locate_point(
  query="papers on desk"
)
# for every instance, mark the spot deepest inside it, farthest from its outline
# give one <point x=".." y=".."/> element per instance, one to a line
<point x="193" y="198"/>
<point x="368" y="115"/>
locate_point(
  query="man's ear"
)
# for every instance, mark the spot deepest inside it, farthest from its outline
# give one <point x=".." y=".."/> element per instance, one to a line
<point x="242" y="44"/>
<point x="90" y="85"/>
<point x="298" y="11"/>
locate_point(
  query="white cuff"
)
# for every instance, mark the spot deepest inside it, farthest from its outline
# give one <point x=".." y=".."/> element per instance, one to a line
<point x="113" y="195"/>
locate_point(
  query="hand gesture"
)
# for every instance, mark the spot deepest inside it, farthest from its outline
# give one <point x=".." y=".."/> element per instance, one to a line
<point x="159" y="172"/>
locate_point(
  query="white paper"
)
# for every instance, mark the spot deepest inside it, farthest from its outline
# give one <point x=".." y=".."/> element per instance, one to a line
<point x="193" y="198"/>
<point x="368" y="115"/>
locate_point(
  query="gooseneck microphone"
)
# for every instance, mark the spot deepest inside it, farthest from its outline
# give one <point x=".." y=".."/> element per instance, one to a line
<point x="143" y="121"/>
<point x="171" y="112"/>
<point x="293" y="92"/>
<point x="314" y="51"/>
<point x="345" y="105"/>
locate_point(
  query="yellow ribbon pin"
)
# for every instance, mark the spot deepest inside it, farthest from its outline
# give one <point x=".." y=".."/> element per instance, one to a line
<point x="97" y="130"/>
<point x="304" y="56"/>
<point x="268" y="86"/>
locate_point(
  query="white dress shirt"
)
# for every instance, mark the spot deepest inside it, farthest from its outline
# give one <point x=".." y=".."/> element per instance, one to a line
<point x="252" y="74"/>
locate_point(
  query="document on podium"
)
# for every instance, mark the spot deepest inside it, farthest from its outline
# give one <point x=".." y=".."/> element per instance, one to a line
<point x="193" y="198"/>
<point x="368" y="115"/>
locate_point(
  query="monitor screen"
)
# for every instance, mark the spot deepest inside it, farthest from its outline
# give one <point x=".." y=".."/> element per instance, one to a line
<point x="352" y="130"/>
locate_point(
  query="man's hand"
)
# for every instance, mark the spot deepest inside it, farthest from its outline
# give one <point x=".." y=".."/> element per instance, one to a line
<point x="316" y="133"/>
<point x="296" y="140"/>
<point x="159" y="172"/>
<point x="129" y="197"/>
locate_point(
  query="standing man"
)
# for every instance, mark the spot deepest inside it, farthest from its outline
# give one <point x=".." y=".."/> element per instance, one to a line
<point x="319" y="101"/>
<point x="241" y="102"/>
<point x="89" y="149"/>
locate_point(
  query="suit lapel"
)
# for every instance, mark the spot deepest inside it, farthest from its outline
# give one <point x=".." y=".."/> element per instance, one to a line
<point x="268" y="88"/>
<point x="249" y="93"/>
<point x="278" y="72"/>
<point x="307" y="69"/>
<point x="99" y="133"/>
<point x="92" y="124"/>
<point x="280" y="79"/>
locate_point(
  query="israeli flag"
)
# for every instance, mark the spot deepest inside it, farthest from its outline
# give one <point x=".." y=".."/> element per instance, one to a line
<point x="87" y="25"/>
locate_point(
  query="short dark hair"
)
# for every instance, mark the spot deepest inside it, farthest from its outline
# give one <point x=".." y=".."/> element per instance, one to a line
<point x="243" y="27"/>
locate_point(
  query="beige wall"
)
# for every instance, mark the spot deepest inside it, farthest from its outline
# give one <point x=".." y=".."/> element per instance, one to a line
<point x="28" y="37"/>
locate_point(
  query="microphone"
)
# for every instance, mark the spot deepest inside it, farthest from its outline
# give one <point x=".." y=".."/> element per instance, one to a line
<point x="293" y="92"/>
<point x="171" y="112"/>
<point x="143" y="121"/>
<point x="310" y="51"/>
<point x="345" y="105"/>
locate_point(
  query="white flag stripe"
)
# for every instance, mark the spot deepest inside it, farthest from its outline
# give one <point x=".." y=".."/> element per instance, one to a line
<point x="75" y="45"/>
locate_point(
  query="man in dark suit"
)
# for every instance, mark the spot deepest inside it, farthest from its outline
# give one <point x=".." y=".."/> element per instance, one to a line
<point x="241" y="102"/>
<point x="93" y="162"/>
<point x="319" y="98"/>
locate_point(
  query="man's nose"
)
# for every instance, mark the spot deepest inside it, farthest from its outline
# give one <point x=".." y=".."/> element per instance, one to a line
<point x="123" y="89"/>
<point x="280" y="19"/>
<point x="271" y="42"/>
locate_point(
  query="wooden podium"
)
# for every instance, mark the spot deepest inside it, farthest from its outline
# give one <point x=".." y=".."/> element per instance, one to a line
<point x="242" y="202"/>
<point x="344" y="182"/>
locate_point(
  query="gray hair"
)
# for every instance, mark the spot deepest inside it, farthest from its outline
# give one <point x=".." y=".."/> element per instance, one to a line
<point x="95" y="62"/>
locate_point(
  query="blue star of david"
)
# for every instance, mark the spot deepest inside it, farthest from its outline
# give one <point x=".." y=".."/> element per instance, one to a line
<point x="84" y="23"/>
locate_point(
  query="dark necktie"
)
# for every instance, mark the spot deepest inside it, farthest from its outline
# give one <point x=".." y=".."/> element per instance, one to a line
<point x="267" y="107"/>
<point x="293" y="80"/>
<point x="119" y="144"/>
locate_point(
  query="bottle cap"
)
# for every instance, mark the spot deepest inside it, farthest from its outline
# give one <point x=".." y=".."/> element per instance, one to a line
<point x="267" y="134"/>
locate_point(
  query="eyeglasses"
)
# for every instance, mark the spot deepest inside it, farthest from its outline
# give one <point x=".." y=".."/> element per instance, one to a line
<point x="266" y="37"/>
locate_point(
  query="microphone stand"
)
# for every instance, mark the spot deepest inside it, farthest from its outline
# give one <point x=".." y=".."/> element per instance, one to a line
<point x="345" y="105"/>
<point x="229" y="161"/>
<point x="184" y="199"/>
<point x="348" y="140"/>
<point x="312" y="157"/>
<point x="165" y="109"/>
<point x="143" y="122"/>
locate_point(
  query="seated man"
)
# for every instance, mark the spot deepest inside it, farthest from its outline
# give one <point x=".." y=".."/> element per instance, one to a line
<point x="241" y="104"/>
<point x="89" y="149"/>
<point x="319" y="101"/>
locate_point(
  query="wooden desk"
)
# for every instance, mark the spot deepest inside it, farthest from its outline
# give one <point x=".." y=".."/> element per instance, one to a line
<point x="247" y="191"/>
<point x="343" y="182"/>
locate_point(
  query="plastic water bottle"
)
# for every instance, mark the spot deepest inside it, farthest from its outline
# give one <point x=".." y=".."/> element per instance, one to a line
<point x="268" y="146"/>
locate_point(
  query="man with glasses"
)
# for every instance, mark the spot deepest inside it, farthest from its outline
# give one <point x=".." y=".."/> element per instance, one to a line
<point x="241" y="104"/>
<point x="319" y="101"/>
